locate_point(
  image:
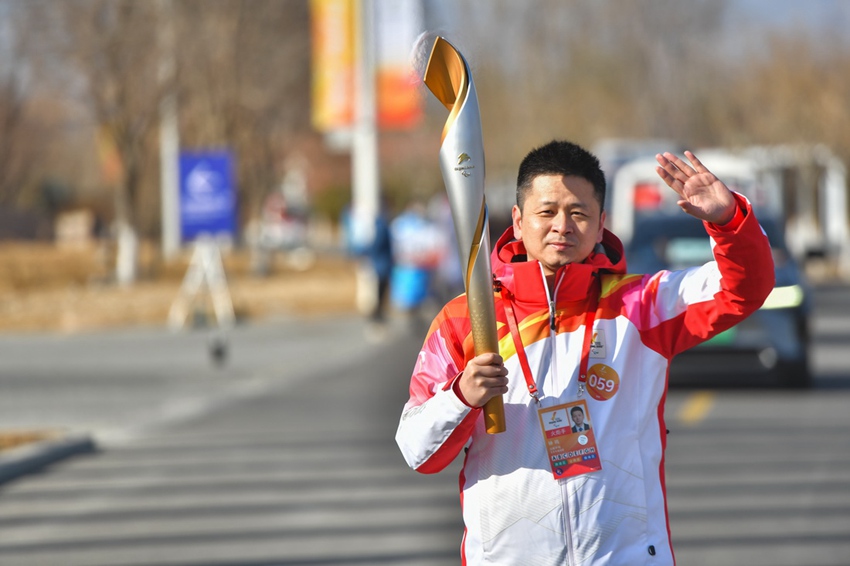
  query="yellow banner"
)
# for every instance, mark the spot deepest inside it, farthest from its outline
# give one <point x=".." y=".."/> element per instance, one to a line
<point x="397" y="24"/>
<point x="333" y="64"/>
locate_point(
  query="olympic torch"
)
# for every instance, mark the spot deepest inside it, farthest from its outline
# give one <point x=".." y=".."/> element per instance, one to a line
<point x="462" y="163"/>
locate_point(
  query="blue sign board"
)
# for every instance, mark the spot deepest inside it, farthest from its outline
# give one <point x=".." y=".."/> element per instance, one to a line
<point x="207" y="194"/>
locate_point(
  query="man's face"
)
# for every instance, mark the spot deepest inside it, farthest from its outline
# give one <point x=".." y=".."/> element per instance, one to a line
<point x="561" y="221"/>
<point x="578" y="417"/>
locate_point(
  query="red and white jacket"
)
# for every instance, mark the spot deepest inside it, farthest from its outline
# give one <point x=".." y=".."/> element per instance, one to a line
<point x="515" y="511"/>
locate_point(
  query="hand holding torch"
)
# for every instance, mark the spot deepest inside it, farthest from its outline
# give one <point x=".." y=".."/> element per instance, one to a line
<point x="462" y="163"/>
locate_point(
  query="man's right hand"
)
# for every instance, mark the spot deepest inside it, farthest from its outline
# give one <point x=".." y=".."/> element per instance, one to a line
<point x="483" y="378"/>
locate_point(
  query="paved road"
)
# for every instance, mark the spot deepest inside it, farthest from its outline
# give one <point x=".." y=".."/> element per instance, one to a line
<point x="296" y="464"/>
<point x="285" y="455"/>
<point x="763" y="481"/>
<point x="762" y="477"/>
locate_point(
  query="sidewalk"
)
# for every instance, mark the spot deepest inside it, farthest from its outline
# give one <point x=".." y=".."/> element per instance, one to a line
<point x="31" y="457"/>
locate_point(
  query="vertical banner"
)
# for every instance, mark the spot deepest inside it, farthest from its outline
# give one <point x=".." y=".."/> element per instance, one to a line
<point x="398" y="24"/>
<point x="207" y="195"/>
<point x="332" y="26"/>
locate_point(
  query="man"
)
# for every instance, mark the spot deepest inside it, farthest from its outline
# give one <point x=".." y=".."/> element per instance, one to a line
<point x="577" y="415"/>
<point x="528" y="496"/>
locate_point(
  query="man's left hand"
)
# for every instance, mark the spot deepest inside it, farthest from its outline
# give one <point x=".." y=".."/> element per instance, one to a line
<point x="701" y="193"/>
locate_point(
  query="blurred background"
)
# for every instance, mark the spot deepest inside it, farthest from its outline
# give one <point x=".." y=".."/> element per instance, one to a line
<point x="201" y="164"/>
<point x="102" y="103"/>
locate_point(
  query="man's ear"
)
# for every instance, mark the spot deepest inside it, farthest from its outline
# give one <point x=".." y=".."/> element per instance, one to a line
<point x="516" y="217"/>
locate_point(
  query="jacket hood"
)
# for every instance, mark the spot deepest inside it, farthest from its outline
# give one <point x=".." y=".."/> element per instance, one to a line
<point x="511" y="265"/>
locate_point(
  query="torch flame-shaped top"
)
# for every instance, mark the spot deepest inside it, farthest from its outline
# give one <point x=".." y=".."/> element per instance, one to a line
<point x="447" y="78"/>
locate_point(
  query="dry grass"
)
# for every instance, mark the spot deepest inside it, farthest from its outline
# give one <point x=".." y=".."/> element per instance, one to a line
<point x="14" y="438"/>
<point x="45" y="288"/>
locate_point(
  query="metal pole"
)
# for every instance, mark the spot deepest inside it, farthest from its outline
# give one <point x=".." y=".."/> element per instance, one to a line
<point x="364" y="151"/>
<point x="169" y="136"/>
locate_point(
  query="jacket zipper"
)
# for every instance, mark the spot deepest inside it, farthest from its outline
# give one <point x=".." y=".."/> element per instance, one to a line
<point x="568" y="533"/>
<point x="551" y="298"/>
<point x="552" y="316"/>
<point x="554" y="377"/>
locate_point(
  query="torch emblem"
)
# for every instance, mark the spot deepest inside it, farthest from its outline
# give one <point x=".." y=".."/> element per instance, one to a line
<point x="461" y="168"/>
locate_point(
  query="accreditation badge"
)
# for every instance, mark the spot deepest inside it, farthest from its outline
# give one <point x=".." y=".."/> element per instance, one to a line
<point x="570" y="441"/>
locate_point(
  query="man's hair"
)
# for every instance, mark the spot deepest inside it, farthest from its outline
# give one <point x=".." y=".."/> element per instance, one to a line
<point x="576" y="409"/>
<point x="563" y="158"/>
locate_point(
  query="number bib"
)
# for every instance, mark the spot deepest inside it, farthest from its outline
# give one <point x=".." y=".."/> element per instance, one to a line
<point x="603" y="382"/>
<point x="569" y="438"/>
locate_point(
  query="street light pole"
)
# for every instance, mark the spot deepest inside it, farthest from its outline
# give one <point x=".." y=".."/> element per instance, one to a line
<point x="169" y="136"/>
<point x="364" y="148"/>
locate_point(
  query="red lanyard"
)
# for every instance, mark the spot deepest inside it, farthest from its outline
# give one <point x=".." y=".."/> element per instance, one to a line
<point x="589" y="316"/>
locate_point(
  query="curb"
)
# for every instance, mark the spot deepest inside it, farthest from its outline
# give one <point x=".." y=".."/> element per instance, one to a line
<point x="33" y="457"/>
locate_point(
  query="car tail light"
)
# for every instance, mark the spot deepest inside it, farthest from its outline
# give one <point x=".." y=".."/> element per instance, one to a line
<point x="647" y="196"/>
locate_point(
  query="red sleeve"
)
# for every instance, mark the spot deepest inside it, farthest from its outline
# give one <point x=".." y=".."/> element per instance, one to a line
<point x="683" y="309"/>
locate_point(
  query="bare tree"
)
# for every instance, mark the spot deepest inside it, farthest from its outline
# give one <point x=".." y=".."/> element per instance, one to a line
<point x="242" y="75"/>
<point x="18" y="144"/>
<point x="793" y="92"/>
<point x="586" y="70"/>
<point x="110" y="47"/>
<point x="568" y="68"/>
<point x="244" y="80"/>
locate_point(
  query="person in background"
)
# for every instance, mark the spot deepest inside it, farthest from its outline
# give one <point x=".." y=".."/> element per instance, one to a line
<point x="418" y="245"/>
<point x="447" y="282"/>
<point x="380" y="255"/>
<point x="376" y="250"/>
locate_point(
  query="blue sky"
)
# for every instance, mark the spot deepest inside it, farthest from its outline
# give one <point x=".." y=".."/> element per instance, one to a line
<point x="811" y="16"/>
<point x="810" y="13"/>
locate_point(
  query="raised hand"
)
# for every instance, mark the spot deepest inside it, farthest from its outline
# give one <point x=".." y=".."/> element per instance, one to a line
<point x="701" y="193"/>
